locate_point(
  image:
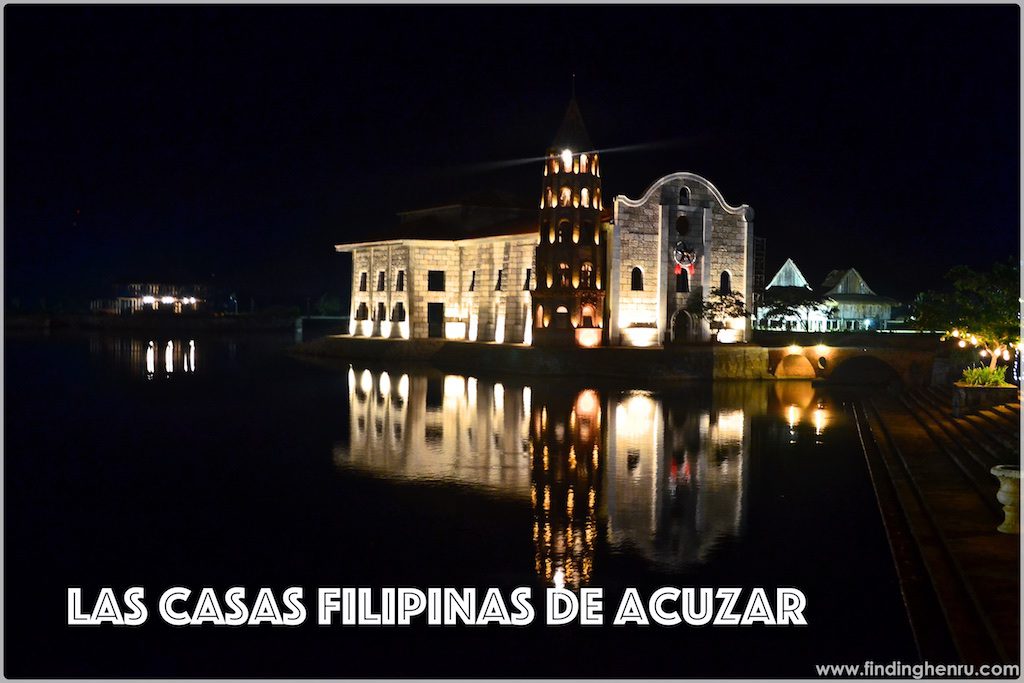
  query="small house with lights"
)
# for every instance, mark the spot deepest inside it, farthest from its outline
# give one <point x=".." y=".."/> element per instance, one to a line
<point x="580" y="272"/>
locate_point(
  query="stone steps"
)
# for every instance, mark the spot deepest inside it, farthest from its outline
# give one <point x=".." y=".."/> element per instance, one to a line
<point x="953" y="533"/>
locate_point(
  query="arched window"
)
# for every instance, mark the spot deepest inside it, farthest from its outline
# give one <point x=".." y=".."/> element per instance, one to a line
<point x="564" y="230"/>
<point x="684" y="196"/>
<point x="551" y="198"/>
<point x="587" y="274"/>
<point x="637" y="280"/>
<point x="584" y="163"/>
<point x="576" y="200"/>
<point x="683" y="281"/>
<point x="597" y="198"/>
<point x="398" y="312"/>
<point x="565" y="196"/>
<point x="563" y="274"/>
<point x="587" y="316"/>
<point x="585" y="196"/>
<point x="539" y="320"/>
<point x="588" y="230"/>
<point x="725" y="282"/>
<point x="554" y="165"/>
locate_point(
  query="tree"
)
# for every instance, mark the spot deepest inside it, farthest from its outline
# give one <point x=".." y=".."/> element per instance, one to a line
<point x="722" y="306"/>
<point x="797" y="302"/>
<point x="982" y="309"/>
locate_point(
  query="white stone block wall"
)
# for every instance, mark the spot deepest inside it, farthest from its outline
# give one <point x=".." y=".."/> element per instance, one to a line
<point x="480" y="309"/>
<point x="645" y="231"/>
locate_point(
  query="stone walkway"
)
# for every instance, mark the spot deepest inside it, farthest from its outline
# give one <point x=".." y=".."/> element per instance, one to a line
<point x="960" y="577"/>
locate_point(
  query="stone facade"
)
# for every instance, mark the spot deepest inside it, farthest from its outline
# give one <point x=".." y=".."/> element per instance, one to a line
<point x="415" y="289"/>
<point x="418" y="288"/>
<point x="651" y="302"/>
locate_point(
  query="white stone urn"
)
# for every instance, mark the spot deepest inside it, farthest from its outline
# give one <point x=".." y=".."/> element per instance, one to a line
<point x="1009" y="496"/>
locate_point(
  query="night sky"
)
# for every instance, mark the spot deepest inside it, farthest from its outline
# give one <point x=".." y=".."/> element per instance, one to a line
<point x="237" y="145"/>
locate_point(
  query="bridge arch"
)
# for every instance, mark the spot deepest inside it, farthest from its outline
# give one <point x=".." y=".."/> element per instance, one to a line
<point x="795" y="366"/>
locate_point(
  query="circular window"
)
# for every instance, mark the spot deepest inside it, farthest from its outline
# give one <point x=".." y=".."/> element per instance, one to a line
<point x="682" y="226"/>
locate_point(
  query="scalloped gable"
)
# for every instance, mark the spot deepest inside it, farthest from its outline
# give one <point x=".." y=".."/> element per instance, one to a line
<point x="743" y="210"/>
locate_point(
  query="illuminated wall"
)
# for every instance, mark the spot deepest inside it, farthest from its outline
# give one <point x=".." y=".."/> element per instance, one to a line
<point x="678" y="207"/>
<point x="475" y="309"/>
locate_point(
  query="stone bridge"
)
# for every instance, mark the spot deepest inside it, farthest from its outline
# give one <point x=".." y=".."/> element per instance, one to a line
<point x="853" y="364"/>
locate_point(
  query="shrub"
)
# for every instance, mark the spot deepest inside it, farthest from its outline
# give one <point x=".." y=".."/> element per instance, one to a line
<point x="984" y="377"/>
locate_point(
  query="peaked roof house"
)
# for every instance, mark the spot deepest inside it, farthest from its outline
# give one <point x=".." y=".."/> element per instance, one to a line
<point x="857" y="305"/>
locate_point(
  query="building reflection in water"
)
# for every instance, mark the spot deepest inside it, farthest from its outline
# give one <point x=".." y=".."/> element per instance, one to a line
<point x="150" y="359"/>
<point x="663" y="476"/>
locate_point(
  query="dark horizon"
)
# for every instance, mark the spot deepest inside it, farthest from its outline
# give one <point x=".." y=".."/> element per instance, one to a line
<point x="237" y="145"/>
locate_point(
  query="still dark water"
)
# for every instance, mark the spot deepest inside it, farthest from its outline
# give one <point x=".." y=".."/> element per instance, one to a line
<point x="221" y="461"/>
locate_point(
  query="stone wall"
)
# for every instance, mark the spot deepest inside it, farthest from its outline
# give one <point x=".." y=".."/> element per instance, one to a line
<point x="471" y="299"/>
<point x="646" y="231"/>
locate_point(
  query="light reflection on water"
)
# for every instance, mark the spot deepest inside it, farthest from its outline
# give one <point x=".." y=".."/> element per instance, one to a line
<point x="150" y="358"/>
<point x="664" y="478"/>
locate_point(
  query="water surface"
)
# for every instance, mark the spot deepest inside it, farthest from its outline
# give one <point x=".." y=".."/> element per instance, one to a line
<point x="221" y="461"/>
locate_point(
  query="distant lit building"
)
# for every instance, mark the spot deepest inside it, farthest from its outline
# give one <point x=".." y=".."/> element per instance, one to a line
<point x="581" y="273"/>
<point x="845" y="303"/>
<point x="141" y="297"/>
<point x="857" y="306"/>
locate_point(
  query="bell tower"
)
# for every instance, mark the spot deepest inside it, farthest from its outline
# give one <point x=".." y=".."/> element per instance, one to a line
<point x="568" y="303"/>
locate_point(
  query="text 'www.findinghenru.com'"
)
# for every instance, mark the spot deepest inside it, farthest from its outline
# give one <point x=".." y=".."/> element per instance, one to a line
<point x="917" y="671"/>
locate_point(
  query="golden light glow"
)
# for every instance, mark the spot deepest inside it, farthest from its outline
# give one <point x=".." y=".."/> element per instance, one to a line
<point x="588" y="337"/>
<point x="640" y="336"/>
<point x="584" y="163"/>
<point x="585" y="197"/>
<point x="385" y="384"/>
<point x="792" y="416"/>
<point x="565" y="195"/>
<point x="455" y="329"/>
<point x="820" y="420"/>
<point x="499" y="328"/>
<point x="566" y="159"/>
<point x="822" y="349"/>
<point x="961" y="343"/>
<point x="586" y="403"/>
<point x="794" y="349"/>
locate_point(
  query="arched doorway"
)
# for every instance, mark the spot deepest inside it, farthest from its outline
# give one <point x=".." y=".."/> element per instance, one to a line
<point x="683" y="328"/>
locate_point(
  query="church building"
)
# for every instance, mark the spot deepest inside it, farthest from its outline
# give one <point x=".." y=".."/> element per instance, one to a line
<point x="581" y="273"/>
